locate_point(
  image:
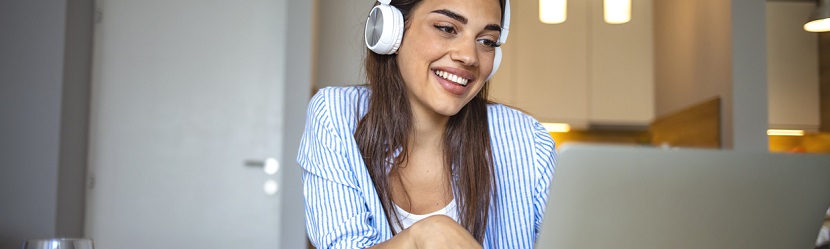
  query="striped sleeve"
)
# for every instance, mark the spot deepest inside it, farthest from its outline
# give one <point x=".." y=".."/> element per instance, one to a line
<point x="523" y="154"/>
<point x="336" y="215"/>
<point x="544" y="155"/>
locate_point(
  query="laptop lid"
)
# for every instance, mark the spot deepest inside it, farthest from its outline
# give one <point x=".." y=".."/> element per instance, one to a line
<point x="637" y="197"/>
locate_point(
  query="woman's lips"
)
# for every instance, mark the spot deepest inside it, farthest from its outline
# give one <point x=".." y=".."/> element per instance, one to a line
<point x="452" y="77"/>
<point x="450" y="86"/>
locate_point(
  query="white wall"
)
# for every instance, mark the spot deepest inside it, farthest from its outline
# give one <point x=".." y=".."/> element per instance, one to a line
<point x="340" y="48"/>
<point x="793" y="68"/>
<point x="709" y="48"/>
<point x="693" y="60"/>
<point x="77" y="63"/>
<point x="44" y="77"/>
<point x="298" y="75"/>
<point x="31" y="72"/>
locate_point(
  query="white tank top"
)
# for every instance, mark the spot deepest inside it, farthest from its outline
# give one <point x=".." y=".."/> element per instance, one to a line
<point x="408" y="219"/>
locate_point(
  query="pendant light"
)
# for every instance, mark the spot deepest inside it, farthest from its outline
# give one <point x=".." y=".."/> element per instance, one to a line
<point x="819" y="20"/>
<point x="617" y="11"/>
<point x="553" y="11"/>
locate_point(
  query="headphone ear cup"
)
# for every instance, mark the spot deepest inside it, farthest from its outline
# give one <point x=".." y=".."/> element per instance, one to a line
<point x="384" y="29"/>
<point x="496" y="63"/>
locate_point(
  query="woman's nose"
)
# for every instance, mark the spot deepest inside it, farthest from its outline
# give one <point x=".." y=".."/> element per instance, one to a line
<point x="464" y="51"/>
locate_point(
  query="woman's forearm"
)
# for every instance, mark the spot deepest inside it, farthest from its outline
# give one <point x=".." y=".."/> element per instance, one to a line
<point x="438" y="231"/>
<point x="403" y="240"/>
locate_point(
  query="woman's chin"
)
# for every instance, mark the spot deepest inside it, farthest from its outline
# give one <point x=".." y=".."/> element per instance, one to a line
<point x="448" y="110"/>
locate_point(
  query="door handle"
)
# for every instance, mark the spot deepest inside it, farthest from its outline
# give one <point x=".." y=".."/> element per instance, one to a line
<point x="270" y="165"/>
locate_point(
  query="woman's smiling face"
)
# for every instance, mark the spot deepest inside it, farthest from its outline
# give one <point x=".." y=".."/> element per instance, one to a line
<point x="447" y="53"/>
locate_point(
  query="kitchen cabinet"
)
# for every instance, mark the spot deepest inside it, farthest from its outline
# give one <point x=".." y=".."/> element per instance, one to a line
<point x="792" y="67"/>
<point x="583" y="71"/>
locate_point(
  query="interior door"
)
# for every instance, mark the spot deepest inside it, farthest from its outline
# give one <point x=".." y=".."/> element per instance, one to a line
<point x="184" y="92"/>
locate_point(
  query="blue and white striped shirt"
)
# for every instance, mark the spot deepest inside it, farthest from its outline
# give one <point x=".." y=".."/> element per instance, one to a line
<point x="343" y="209"/>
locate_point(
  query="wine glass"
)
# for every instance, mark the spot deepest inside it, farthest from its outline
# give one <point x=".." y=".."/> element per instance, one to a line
<point x="58" y="243"/>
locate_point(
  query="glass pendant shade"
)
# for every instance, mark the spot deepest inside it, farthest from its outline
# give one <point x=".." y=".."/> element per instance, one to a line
<point x="819" y="20"/>
<point x="617" y="11"/>
<point x="553" y="11"/>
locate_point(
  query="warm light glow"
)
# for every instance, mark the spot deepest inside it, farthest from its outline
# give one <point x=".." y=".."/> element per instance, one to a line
<point x="553" y="11"/>
<point x="617" y="11"/>
<point x="557" y="127"/>
<point x="822" y="25"/>
<point x="776" y="132"/>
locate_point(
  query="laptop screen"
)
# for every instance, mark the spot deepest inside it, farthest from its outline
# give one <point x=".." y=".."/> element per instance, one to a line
<point x="638" y="197"/>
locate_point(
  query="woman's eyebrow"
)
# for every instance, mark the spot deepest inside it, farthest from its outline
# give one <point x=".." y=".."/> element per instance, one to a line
<point x="462" y="19"/>
<point x="493" y="27"/>
<point x="451" y="14"/>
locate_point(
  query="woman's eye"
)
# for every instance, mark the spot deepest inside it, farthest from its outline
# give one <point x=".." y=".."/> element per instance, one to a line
<point x="489" y="43"/>
<point x="446" y="29"/>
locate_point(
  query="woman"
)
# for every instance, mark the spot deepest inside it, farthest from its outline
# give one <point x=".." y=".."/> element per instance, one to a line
<point x="419" y="158"/>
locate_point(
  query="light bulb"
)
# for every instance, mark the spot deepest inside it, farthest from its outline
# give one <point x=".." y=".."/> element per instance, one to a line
<point x="553" y="11"/>
<point x="617" y="11"/>
<point x="822" y="25"/>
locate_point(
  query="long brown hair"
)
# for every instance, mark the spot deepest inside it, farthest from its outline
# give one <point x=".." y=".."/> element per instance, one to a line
<point x="385" y="129"/>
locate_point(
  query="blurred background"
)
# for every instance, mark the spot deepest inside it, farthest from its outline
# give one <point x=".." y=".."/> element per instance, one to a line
<point x="175" y="124"/>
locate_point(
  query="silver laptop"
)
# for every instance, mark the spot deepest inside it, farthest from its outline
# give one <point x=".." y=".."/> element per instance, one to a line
<point x="636" y="197"/>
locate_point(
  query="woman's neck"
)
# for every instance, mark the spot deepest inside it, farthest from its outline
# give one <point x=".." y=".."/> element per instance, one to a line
<point x="422" y="184"/>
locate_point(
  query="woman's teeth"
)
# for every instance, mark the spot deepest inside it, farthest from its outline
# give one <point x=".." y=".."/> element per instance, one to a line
<point x="452" y="77"/>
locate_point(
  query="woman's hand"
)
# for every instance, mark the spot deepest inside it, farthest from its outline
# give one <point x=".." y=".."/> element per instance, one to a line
<point x="434" y="232"/>
<point x="440" y="231"/>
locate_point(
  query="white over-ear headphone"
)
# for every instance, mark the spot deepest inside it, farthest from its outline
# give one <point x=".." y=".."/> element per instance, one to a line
<point x="384" y="30"/>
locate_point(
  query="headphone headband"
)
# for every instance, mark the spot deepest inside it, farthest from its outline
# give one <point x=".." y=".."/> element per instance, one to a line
<point x="505" y="22"/>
